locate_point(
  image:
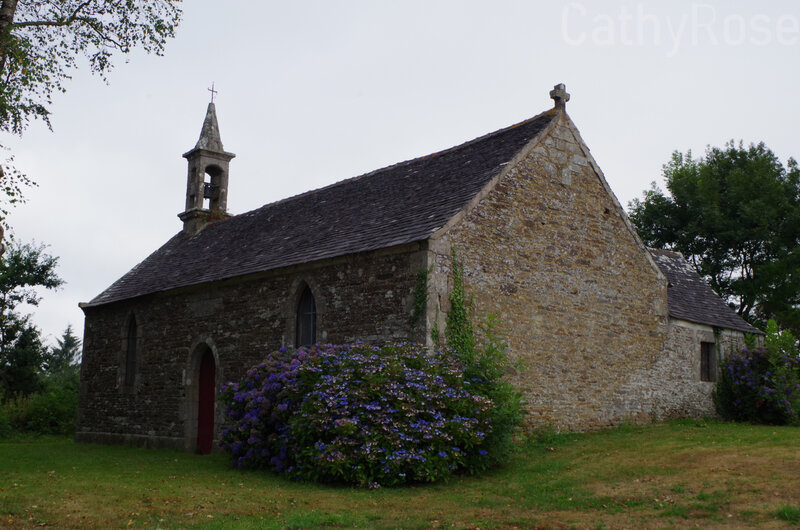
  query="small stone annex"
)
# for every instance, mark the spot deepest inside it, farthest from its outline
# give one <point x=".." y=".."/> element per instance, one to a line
<point x="608" y="331"/>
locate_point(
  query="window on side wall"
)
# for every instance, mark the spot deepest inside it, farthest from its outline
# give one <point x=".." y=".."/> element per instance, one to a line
<point x="306" y="320"/>
<point x="708" y="358"/>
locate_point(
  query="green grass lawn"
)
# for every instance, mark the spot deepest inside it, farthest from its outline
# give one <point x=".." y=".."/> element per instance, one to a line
<point x="677" y="474"/>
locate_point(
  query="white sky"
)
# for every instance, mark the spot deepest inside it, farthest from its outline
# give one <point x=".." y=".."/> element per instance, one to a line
<point x="312" y="92"/>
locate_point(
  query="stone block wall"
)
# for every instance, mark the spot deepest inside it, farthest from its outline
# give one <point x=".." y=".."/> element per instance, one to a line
<point x="679" y="392"/>
<point x="550" y="252"/>
<point x="365" y="296"/>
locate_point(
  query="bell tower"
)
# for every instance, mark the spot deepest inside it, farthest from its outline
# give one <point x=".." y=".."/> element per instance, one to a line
<point x="207" y="182"/>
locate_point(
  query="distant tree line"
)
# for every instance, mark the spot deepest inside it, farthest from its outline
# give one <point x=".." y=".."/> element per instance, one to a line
<point x="38" y="383"/>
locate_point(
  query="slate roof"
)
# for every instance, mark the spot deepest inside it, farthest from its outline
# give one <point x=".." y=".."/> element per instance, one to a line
<point x="403" y="203"/>
<point x="691" y="298"/>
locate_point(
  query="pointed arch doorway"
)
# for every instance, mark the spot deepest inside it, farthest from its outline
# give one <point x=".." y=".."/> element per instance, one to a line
<point x="206" y="399"/>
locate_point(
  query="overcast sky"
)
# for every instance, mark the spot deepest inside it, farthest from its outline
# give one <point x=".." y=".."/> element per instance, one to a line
<point x="315" y="92"/>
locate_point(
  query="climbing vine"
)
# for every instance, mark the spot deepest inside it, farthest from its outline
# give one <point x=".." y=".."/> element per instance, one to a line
<point x="458" y="331"/>
<point x="484" y="363"/>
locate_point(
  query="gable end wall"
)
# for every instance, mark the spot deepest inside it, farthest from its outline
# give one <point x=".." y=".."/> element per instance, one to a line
<point x="550" y="252"/>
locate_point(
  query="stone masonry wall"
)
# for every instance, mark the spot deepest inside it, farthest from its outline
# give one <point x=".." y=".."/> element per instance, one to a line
<point x="680" y="392"/>
<point x="366" y="296"/>
<point x="549" y="252"/>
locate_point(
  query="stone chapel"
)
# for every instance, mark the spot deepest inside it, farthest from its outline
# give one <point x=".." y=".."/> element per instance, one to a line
<point x="607" y="329"/>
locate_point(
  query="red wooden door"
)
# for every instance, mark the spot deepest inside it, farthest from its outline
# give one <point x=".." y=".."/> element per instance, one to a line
<point x="205" y="408"/>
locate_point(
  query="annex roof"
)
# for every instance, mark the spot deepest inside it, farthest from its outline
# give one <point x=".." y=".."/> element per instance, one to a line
<point x="691" y="298"/>
<point x="399" y="204"/>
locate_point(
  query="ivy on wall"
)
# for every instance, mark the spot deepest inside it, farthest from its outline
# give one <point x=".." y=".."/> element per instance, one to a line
<point x="458" y="331"/>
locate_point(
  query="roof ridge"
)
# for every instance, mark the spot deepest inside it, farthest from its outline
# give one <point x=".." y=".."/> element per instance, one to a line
<point x="401" y="163"/>
<point x="665" y="251"/>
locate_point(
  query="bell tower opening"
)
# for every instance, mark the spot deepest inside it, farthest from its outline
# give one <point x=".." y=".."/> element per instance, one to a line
<point x="211" y="188"/>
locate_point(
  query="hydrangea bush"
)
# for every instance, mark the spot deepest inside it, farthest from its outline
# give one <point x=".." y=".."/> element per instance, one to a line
<point x="259" y="408"/>
<point x="359" y="414"/>
<point x="762" y="385"/>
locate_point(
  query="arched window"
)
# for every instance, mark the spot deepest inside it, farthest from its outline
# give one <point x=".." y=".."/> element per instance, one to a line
<point x="130" y="354"/>
<point x="306" y="319"/>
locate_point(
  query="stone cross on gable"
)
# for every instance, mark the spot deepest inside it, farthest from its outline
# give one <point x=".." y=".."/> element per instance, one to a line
<point x="560" y="95"/>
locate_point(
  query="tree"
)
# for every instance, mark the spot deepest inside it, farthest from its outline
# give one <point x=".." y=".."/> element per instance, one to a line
<point x="735" y="214"/>
<point x="40" y="42"/>
<point x="63" y="358"/>
<point x="23" y="268"/>
<point x="21" y="359"/>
